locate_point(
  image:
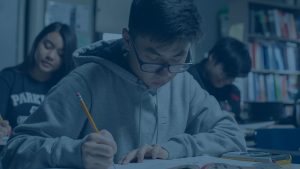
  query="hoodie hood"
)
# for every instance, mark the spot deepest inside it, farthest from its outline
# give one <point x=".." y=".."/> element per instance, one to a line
<point x="108" y="50"/>
<point x="110" y="54"/>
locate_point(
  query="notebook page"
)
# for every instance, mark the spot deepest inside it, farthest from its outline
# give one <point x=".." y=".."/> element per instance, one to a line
<point x="200" y="161"/>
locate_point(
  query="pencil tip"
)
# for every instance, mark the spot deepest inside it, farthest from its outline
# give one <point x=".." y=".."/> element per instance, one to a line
<point x="78" y="94"/>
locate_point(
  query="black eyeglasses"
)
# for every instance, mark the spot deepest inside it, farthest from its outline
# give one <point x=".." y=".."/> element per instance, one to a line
<point x="155" y="67"/>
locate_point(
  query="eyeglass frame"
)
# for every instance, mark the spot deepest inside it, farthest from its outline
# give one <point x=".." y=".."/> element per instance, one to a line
<point x="161" y="66"/>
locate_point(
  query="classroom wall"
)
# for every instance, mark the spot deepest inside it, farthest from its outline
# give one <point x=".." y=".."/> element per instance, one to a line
<point x="209" y="13"/>
<point x="35" y="23"/>
<point x="9" y="14"/>
<point x="112" y="15"/>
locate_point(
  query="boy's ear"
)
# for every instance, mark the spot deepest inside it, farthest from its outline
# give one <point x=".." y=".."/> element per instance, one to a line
<point x="210" y="58"/>
<point x="126" y="38"/>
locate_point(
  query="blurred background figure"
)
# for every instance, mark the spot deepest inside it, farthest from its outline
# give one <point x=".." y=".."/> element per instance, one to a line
<point x="227" y="60"/>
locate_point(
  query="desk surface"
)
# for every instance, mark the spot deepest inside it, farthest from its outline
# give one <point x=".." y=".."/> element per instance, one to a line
<point x="292" y="166"/>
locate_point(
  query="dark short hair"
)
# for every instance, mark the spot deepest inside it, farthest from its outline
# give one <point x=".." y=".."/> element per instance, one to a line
<point x="70" y="44"/>
<point x="165" y="20"/>
<point x="233" y="55"/>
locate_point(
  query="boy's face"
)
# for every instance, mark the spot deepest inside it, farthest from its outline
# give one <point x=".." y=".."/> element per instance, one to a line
<point x="216" y="75"/>
<point x="143" y="49"/>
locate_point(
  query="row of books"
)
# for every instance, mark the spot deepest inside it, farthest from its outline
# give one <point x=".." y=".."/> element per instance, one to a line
<point x="275" y="22"/>
<point x="271" y="87"/>
<point x="274" y="56"/>
<point x="259" y="156"/>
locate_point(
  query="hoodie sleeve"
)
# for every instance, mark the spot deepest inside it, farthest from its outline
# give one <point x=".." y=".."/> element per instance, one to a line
<point x="210" y="130"/>
<point x="51" y="136"/>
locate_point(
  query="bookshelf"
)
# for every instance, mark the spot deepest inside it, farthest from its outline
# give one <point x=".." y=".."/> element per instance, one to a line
<point x="272" y="32"/>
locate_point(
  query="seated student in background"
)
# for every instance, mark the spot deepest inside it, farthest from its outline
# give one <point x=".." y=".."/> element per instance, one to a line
<point x="23" y="87"/>
<point x="227" y="60"/>
<point x="139" y="95"/>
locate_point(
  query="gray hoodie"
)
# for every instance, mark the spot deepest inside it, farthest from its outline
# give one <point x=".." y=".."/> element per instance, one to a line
<point x="180" y="116"/>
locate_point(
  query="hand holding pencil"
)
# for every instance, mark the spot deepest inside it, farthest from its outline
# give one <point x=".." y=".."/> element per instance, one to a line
<point x="98" y="148"/>
<point x="5" y="130"/>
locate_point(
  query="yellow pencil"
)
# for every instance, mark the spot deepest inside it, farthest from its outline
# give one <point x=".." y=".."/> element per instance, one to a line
<point x="87" y="113"/>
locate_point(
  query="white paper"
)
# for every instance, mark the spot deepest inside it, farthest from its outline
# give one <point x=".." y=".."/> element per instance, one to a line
<point x="199" y="161"/>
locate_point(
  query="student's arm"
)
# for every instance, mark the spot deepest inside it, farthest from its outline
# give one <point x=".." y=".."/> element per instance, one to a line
<point x="49" y="137"/>
<point x="234" y="101"/>
<point x="209" y="131"/>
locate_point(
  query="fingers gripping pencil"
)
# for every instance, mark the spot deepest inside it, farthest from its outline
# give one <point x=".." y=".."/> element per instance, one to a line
<point x="88" y="114"/>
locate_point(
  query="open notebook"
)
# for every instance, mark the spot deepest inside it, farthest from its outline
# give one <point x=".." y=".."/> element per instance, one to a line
<point x="200" y="162"/>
